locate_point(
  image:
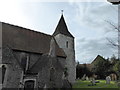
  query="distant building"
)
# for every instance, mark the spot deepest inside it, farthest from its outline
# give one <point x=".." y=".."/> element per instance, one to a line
<point x="86" y="69"/>
<point x="97" y="59"/>
<point x="32" y="59"/>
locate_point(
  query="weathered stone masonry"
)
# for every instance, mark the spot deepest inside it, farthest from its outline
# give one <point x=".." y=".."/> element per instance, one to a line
<point x="34" y="59"/>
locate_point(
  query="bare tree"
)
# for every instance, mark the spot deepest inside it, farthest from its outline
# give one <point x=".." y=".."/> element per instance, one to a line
<point x="118" y="30"/>
<point x="112" y="42"/>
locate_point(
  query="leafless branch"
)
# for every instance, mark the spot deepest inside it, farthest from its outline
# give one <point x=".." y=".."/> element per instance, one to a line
<point x="112" y="43"/>
<point x="115" y="27"/>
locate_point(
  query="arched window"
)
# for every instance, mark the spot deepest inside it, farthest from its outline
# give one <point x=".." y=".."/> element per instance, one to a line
<point x="67" y="44"/>
<point x="3" y="73"/>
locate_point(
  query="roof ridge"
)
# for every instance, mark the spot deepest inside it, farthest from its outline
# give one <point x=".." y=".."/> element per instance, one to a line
<point x="24" y="28"/>
<point x="20" y="38"/>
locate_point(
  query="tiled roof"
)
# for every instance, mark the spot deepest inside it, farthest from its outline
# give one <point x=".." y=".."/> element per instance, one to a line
<point x="19" y="38"/>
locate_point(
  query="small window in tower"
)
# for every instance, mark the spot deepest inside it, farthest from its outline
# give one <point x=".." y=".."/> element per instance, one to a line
<point x="3" y="73"/>
<point x="67" y="44"/>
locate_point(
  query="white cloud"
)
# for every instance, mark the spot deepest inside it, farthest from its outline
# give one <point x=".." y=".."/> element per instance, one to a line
<point x="91" y="34"/>
<point x="71" y="1"/>
<point x="88" y="49"/>
<point x="86" y="20"/>
<point x="10" y="12"/>
<point x="94" y="14"/>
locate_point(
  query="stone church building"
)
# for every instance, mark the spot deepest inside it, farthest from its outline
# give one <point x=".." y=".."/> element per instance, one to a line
<point x="31" y="59"/>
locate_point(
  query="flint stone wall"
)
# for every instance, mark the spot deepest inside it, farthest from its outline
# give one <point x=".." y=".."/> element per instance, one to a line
<point x="70" y="52"/>
<point x="14" y="72"/>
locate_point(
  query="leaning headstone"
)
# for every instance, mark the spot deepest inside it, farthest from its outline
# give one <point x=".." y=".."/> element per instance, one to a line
<point x="87" y="78"/>
<point x="83" y="78"/>
<point x="108" y="79"/>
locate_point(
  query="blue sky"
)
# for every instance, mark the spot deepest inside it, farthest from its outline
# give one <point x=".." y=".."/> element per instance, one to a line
<point x="85" y="20"/>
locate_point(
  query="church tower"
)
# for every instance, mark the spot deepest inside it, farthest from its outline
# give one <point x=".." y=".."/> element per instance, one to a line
<point x="65" y="41"/>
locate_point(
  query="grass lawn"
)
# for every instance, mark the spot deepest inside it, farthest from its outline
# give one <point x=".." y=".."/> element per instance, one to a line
<point x="102" y="84"/>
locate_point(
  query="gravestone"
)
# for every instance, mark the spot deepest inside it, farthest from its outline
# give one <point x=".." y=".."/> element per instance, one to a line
<point x="87" y="78"/>
<point x="83" y="78"/>
<point x="108" y="79"/>
<point x="113" y="77"/>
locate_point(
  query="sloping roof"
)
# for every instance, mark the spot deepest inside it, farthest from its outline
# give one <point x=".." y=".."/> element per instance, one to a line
<point x="62" y="28"/>
<point x="97" y="59"/>
<point x="89" y="66"/>
<point x="23" y="39"/>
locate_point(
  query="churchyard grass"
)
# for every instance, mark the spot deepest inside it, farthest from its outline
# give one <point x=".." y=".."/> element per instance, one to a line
<point x="102" y="84"/>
